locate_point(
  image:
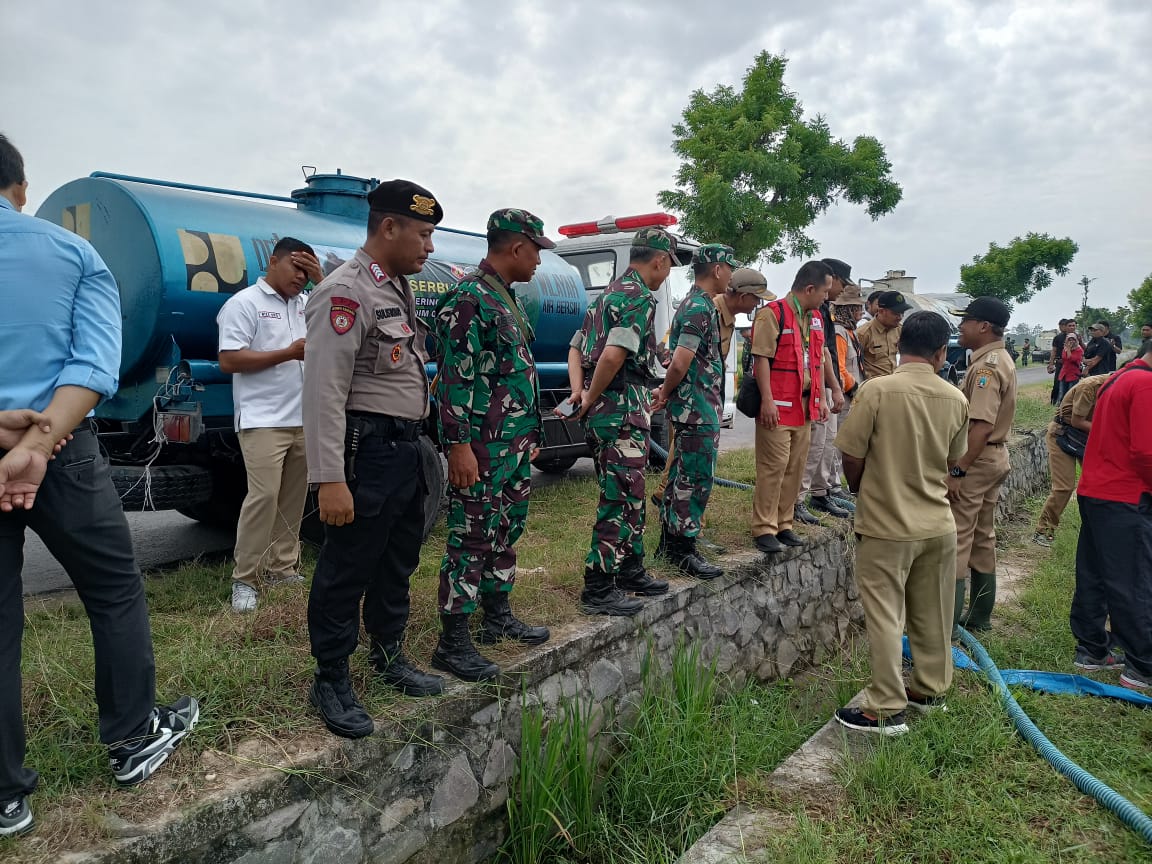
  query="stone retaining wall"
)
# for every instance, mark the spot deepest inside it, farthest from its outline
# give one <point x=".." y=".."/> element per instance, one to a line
<point x="1028" y="456"/>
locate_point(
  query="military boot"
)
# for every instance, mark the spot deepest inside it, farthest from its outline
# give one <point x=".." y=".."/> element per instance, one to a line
<point x="601" y="596"/>
<point x="332" y="695"/>
<point x="456" y="654"/>
<point x="682" y="553"/>
<point x="979" y="617"/>
<point x="398" y="672"/>
<point x="499" y="623"/>
<point x="958" y="608"/>
<point x="633" y="578"/>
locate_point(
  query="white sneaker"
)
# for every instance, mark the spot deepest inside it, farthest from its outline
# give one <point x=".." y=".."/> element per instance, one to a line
<point x="243" y="597"/>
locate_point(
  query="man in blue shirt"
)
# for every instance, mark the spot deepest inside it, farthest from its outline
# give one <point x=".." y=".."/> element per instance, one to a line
<point x="60" y="337"/>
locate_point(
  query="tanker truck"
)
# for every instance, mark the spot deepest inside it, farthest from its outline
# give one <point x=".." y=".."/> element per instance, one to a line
<point x="179" y="251"/>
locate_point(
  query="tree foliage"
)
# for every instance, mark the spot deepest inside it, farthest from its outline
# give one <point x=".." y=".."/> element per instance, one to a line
<point x="1016" y="272"/>
<point x="1140" y="301"/>
<point x="1119" y="319"/>
<point x="754" y="173"/>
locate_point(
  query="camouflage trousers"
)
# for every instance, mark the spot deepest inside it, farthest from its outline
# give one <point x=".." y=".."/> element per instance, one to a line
<point x="693" y="464"/>
<point x="484" y="522"/>
<point x="620" y="453"/>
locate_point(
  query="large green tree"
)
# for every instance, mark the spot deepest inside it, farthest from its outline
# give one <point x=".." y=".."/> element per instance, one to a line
<point x="1016" y="272"/>
<point x="754" y="173"/>
<point x="1119" y="319"/>
<point x="1140" y="302"/>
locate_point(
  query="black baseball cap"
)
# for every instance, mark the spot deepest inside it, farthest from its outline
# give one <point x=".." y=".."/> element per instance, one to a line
<point x="989" y="309"/>
<point x="840" y="270"/>
<point x="893" y="300"/>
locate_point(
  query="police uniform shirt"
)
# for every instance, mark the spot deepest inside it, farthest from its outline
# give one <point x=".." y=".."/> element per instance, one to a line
<point x="366" y="352"/>
<point x="766" y="335"/>
<point x="727" y="325"/>
<point x="990" y="386"/>
<point x="906" y="426"/>
<point x="878" y="347"/>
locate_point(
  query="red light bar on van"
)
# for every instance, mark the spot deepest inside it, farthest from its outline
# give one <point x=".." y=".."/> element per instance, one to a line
<point x="610" y="225"/>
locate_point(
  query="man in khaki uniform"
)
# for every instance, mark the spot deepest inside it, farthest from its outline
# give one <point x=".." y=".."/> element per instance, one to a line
<point x="365" y="400"/>
<point x="897" y="442"/>
<point x="974" y="480"/>
<point x="879" y="337"/>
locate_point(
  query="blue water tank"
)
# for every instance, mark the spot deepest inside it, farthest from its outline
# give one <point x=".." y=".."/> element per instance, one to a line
<point x="179" y="251"/>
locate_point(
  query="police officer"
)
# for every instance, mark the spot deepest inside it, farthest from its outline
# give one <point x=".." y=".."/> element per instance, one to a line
<point x="880" y="337"/>
<point x="489" y="414"/>
<point x="974" y="479"/>
<point x="693" y="392"/>
<point x="365" y="399"/>
<point x="611" y="369"/>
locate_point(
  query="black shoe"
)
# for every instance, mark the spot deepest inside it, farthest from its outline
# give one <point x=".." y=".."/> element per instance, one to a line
<point x="790" y="538"/>
<point x="400" y="673"/>
<point x="16" y="817"/>
<point x="456" y="654"/>
<point x="803" y="514"/>
<point x="136" y="760"/>
<point x="768" y="544"/>
<point x="601" y="596"/>
<point x="499" y="623"/>
<point x="856" y="718"/>
<point x="682" y="554"/>
<point x="333" y="697"/>
<point x="633" y="578"/>
<point x="826" y="506"/>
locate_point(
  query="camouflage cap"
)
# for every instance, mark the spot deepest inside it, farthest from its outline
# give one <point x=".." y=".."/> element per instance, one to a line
<point x="520" y="222"/>
<point x="655" y="238"/>
<point x="745" y="280"/>
<point x="715" y="253"/>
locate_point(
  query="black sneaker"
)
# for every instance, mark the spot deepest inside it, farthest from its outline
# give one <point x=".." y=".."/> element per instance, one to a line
<point x="861" y="721"/>
<point x="790" y="538"/>
<point x="803" y="514"/>
<point x="1134" y="680"/>
<point x="824" y="504"/>
<point x="16" y="817"/>
<point x="925" y="704"/>
<point x="1088" y="663"/>
<point x="339" y="708"/>
<point x="768" y="544"/>
<point x="136" y="760"/>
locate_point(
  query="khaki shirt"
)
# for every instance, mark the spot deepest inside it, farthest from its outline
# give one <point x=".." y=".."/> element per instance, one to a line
<point x="766" y="334"/>
<point x="727" y="325"/>
<point x="365" y="352"/>
<point x="878" y="347"/>
<point x="1081" y="399"/>
<point x="990" y="385"/>
<point x="906" y="426"/>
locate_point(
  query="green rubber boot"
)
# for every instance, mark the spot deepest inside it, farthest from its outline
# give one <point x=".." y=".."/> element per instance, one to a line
<point x="958" y="609"/>
<point x="979" y="617"/>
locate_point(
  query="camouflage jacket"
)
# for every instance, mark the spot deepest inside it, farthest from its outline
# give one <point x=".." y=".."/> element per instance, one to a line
<point x="487" y="390"/>
<point x="696" y="326"/>
<point x="622" y="316"/>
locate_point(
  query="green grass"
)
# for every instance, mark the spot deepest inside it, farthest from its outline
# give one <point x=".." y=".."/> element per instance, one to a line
<point x="1033" y="408"/>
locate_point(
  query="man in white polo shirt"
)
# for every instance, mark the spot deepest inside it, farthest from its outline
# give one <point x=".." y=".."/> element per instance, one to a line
<point x="262" y="345"/>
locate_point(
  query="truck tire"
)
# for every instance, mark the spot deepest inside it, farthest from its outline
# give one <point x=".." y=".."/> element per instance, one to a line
<point x="222" y="508"/>
<point x="161" y="487"/>
<point x="555" y="466"/>
<point x="436" y="475"/>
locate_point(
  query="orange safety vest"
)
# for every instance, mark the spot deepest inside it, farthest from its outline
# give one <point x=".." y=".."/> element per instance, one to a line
<point x="786" y="375"/>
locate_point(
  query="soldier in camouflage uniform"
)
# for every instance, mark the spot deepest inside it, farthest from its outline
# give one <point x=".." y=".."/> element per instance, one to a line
<point x="489" y="415"/>
<point x="692" y="391"/>
<point x="612" y="368"/>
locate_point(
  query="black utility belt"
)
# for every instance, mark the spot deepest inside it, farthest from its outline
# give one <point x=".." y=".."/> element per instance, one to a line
<point x="366" y="424"/>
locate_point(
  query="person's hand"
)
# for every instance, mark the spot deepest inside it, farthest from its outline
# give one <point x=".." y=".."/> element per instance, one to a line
<point x="1051" y="368"/>
<point x="463" y="470"/>
<point x="585" y="406"/>
<point x="954" y="487"/>
<point x="310" y="265"/>
<point x="769" y="415"/>
<point x="21" y="473"/>
<point x="296" y="350"/>
<point x="824" y="415"/>
<point x="659" y="400"/>
<point x="837" y="401"/>
<point x="336" y="505"/>
<point x="574" y="401"/>
<point x="13" y="425"/>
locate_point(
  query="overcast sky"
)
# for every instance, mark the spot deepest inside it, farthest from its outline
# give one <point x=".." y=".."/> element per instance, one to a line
<point x="999" y="117"/>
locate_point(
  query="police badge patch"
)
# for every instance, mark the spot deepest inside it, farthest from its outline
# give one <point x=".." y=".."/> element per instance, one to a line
<point x="982" y="380"/>
<point x="342" y="315"/>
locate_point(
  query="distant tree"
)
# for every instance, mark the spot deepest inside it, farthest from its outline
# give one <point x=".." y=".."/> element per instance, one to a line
<point x="754" y="173"/>
<point x="1016" y="272"/>
<point x="1140" y="301"/>
<point x="1119" y="319"/>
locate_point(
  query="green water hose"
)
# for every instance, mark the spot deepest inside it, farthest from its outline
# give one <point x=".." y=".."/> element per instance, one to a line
<point x="1125" y="810"/>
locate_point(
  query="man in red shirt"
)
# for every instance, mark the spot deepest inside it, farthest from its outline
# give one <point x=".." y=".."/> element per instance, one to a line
<point x="1114" y="555"/>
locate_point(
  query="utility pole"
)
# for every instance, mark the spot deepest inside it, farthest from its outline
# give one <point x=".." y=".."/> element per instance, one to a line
<point x="1084" y="283"/>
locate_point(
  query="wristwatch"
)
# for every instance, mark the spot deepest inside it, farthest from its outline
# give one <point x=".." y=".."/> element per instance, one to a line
<point x="957" y="471"/>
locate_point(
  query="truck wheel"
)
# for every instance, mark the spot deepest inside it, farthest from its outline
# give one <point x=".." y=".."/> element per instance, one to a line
<point x="554" y="466"/>
<point x="161" y="487"/>
<point x="222" y="508"/>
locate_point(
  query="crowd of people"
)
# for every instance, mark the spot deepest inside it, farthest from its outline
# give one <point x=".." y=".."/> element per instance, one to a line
<point x="837" y="403"/>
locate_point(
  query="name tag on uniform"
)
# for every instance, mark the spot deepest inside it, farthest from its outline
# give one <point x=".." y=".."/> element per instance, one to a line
<point x="266" y="314"/>
<point x="781" y="403"/>
<point x="386" y="312"/>
<point x="786" y="331"/>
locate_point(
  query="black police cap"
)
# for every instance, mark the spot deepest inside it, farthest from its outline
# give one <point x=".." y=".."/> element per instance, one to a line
<point x="405" y="198"/>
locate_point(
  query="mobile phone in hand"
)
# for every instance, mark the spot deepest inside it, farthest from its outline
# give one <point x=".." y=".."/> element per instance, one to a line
<point x="566" y="408"/>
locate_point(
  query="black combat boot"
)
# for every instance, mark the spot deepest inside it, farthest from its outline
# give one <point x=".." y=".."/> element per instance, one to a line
<point x="499" y="623"/>
<point x="332" y="696"/>
<point x="682" y="553"/>
<point x="397" y="671"/>
<point x="456" y="654"/>
<point x="634" y="579"/>
<point x="979" y="617"/>
<point x="601" y="596"/>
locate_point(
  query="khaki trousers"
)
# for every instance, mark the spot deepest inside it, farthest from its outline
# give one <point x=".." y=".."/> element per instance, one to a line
<point x="906" y="584"/>
<point x="780" y="457"/>
<point x="268" y="534"/>
<point x="820" y="475"/>
<point x="975" y="511"/>
<point x="1062" y="468"/>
